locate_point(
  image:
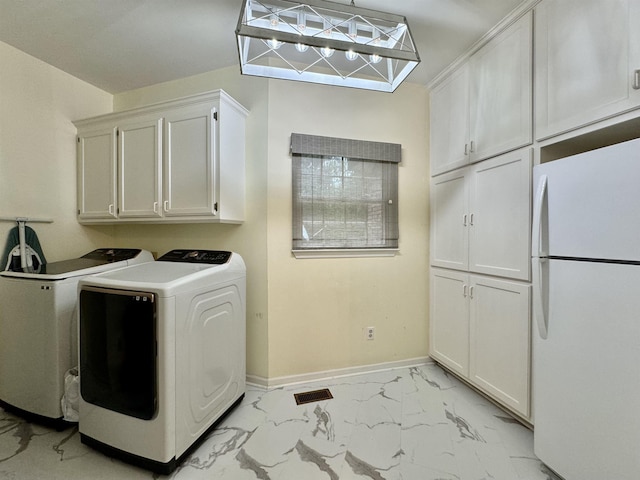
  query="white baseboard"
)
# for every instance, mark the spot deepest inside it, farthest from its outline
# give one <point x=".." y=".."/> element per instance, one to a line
<point x="332" y="374"/>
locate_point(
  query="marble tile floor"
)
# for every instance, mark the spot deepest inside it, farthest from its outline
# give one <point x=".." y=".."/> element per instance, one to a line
<point x="417" y="423"/>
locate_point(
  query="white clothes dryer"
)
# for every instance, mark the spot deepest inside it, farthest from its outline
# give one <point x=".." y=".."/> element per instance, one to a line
<point x="162" y="355"/>
<point x="38" y="329"/>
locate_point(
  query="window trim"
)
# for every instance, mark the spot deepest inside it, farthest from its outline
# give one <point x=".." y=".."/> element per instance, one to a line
<point x="345" y="252"/>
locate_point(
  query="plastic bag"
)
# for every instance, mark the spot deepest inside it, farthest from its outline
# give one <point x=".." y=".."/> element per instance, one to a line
<point x="71" y="398"/>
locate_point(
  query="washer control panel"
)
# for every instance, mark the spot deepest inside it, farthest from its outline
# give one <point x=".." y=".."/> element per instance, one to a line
<point x="214" y="257"/>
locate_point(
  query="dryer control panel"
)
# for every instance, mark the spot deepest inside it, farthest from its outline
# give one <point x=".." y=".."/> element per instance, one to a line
<point x="214" y="257"/>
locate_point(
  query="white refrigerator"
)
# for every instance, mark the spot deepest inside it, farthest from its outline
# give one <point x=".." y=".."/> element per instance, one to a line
<point x="586" y="305"/>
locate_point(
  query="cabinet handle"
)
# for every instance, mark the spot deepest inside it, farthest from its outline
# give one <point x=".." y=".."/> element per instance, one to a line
<point x="471" y="292"/>
<point x="464" y="290"/>
<point x="464" y="220"/>
<point x="166" y="205"/>
<point x="111" y="209"/>
<point x="471" y="219"/>
<point x="636" y="80"/>
<point x="155" y="207"/>
<point x="471" y="149"/>
<point x="466" y="149"/>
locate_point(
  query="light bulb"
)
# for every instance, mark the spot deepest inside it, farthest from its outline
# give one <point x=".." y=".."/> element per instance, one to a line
<point x="353" y="30"/>
<point x="328" y="28"/>
<point x="274" y="20"/>
<point x="375" y="58"/>
<point x="301" y="47"/>
<point x="326" y="52"/>
<point x="274" y="44"/>
<point x="302" y="21"/>
<point x="351" y="55"/>
<point x="376" y="37"/>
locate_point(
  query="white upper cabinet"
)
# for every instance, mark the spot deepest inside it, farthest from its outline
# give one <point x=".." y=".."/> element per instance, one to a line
<point x="189" y="171"/>
<point x="481" y="215"/>
<point x="179" y="161"/>
<point x="501" y="93"/>
<point x="484" y="108"/>
<point x="139" y="167"/>
<point x="97" y="167"/>
<point x="587" y="62"/>
<point x="449" y="112"/>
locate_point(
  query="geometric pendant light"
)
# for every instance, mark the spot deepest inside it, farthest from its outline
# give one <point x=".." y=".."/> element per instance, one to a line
<point x="325" y="42"/>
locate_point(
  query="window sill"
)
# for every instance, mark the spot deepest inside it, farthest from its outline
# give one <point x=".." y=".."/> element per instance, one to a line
<point x="346" y="252"/>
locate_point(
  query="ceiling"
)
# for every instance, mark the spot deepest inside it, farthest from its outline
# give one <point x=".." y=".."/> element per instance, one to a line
<point x="120" y="45"/>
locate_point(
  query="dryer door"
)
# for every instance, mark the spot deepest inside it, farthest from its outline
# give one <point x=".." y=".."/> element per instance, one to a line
<point x="118" y="365"/>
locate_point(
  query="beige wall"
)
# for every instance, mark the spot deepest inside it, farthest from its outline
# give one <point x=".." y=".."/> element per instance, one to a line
<point x="37" y="151"/>
<point x="318" y="308"/>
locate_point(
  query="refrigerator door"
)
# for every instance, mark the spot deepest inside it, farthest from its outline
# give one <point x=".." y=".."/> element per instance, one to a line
<point x="587" y="372"/>
<point x="594" y="203"/>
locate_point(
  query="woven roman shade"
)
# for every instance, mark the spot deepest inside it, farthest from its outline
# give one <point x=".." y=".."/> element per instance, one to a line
<point x="345" y="193"/>
<point x="344" y="147"/>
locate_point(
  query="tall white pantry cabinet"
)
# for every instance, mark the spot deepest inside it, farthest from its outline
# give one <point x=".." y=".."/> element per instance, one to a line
<point x="586" y="84"/>
<point x="178" y="161"/>
<point x="480" y="218"/>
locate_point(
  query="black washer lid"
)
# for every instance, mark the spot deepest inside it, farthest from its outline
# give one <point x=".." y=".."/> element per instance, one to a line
<point x="110" y="255"/>
<point x="100" y="256"/>
<point x="213" y="257"/>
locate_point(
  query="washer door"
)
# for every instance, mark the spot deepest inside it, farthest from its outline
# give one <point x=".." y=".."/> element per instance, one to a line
<point x="118" y="364"/>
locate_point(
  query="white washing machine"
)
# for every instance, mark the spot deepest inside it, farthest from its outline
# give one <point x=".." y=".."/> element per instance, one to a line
<point x="38" y="329"/>
<point x="162" y="355"/>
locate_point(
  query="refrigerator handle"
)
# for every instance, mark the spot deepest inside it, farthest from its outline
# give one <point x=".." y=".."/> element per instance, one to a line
<point x="539" y="262"/>
<point x="540" y="292"/>
<point x="536" y="231"/>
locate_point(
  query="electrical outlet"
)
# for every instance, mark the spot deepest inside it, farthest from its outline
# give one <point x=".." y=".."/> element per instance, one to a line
<point x="370" y="333"/>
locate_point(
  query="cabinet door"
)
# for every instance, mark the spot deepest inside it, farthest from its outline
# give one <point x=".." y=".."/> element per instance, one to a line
<point x="500" y="340"/>
<point x="97" y="173"/>
<point x="189" y="163"/>
<point x="501" y="93"/>
<point x="140" y="168"/>
<point x="587" y="55"/>
<point x="500" y="216"/>
<point x="449" y="122"/>
<point x="449" y="319"/>
<point x="449" y="220"/>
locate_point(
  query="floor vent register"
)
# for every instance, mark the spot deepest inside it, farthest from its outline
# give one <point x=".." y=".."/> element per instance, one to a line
<point x="313" y="396"/>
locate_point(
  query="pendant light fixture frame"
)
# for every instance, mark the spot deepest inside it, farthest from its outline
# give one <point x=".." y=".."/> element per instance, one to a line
<point x="301" y="41"/>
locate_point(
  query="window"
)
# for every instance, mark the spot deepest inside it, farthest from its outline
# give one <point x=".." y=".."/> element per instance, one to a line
<point x="345" y="194"/>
